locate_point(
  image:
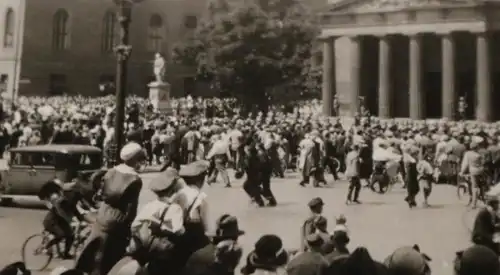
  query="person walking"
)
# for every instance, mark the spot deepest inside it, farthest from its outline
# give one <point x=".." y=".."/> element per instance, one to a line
<point x="218" y="156"/>
<point x="352" y="173"/>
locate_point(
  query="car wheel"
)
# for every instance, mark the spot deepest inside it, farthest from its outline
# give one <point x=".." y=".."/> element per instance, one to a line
<point x="6" y="201"/>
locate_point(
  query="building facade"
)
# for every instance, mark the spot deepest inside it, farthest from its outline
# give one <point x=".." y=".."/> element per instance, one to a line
<point x="417" y="59"/>
<point x="55" y="47"/>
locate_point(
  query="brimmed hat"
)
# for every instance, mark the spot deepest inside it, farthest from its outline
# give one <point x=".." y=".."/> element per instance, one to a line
<point x="164" y="180"/>
<point x="15" y="269"/>
<point x="361" y="262"/>
<point x="477" y="259"/>
<point x="268" y="251"/>
<point x="407" y="261"/>
<point x="227" y="227"/>
<point x="194" y="169"/>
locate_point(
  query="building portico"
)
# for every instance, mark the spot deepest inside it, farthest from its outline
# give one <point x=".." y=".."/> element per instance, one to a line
<point x="414" y="58"/>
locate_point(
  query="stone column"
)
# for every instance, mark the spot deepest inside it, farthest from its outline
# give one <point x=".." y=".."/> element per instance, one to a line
<point x="329" y="82"/>
<point x="384" y="78"/>
<point x="448" y="76"/>
<point x="355" y="73"/>
<point x="416" y="96"/>
<point x="483" y="90"/>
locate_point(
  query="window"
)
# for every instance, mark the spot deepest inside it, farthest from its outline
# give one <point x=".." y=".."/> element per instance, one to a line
<point x="81" y="161"/>
<point x="32" y="159"/>
<point x="8" y="35"/>
<point x="190" y="22"/>
<point x="58" y="85"/>
<point x="60" y="31"/>
<point x="155" y="37"/>
<point x="108" y="32"/>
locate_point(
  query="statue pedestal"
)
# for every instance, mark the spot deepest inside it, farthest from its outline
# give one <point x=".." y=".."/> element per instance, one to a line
<point x="159" y="94"/>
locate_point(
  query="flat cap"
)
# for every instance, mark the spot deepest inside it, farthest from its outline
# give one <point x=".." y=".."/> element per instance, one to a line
<point x="164" y="180"/>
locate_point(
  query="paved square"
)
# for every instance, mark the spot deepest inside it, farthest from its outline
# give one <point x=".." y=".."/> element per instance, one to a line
<point x="381" y="223"/>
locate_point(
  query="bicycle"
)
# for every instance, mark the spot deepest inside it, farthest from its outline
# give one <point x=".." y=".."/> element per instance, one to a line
<point x="81" y="231"/>
<point x="386" y="179"/>
<point x="336" y="165"/>
<point x="463" y="192"/>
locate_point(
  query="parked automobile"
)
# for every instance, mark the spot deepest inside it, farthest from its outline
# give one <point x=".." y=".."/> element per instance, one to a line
<point x="30" y="167"/>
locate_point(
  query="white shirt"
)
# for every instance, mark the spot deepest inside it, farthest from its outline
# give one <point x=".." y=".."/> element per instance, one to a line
<point x="235" y="137"/>
<point x="220" y="147"/>
<point x="173" y="220"/>
<point x="196" y="199"/>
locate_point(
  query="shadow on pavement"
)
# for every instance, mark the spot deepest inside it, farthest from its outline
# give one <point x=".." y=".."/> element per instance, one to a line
<point x="25" y="203"/>
<point x="374" y="203"/>
<point x="435" y="206"/>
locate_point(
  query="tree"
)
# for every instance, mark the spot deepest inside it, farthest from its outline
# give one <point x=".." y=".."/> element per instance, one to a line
<point x="247" y="48"/>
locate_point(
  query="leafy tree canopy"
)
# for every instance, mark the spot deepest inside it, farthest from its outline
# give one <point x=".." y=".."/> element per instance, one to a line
<point x="246" y="47"/>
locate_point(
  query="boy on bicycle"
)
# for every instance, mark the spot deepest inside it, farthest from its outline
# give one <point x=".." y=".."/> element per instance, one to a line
<point x="58" y="220"/>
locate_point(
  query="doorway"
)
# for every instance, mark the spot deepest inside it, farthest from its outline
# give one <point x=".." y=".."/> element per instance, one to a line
<point x="432" y="90"/>
<point x="466" y="86"/>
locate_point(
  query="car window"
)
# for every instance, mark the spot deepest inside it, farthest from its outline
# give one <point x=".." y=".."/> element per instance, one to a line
<point x="43" y="159"/>
<point x="32" y="159"/>
<point x="81" y="161"/>
<point x="90" y="161"/>
<point x="19" y="159"/>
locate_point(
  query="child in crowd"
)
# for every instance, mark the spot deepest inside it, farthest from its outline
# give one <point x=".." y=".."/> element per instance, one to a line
<point x="341" y="224"/>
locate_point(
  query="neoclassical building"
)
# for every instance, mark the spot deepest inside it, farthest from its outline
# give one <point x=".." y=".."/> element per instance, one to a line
<point x="53" y="47"/>
<point x="413" y="58"/>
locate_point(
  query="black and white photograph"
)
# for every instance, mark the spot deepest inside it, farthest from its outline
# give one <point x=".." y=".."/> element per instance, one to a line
<point x="249" y="137"/>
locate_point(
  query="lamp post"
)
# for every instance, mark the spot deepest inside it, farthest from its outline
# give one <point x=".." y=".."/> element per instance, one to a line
<point x="123" y="51"/>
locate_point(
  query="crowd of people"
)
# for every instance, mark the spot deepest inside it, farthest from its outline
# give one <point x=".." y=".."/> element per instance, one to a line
<point x="203" y="137"/>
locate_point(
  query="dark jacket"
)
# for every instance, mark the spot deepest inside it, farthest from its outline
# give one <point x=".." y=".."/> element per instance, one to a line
<point x="308" y="263"/>
<point x="336" y="254"/>
<point x="216" y="269"/>
<point x="200" y="261"/>
<point x="484" y="227"/>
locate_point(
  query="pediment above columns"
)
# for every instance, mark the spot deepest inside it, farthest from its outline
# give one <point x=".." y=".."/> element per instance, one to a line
<point x="364" y="6"/>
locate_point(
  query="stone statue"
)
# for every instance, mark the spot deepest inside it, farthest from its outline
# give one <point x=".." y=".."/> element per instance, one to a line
<point x="159" y="68"/>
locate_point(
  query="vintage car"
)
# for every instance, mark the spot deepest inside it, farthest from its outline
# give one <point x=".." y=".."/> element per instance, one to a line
<point x="31" y="167"/>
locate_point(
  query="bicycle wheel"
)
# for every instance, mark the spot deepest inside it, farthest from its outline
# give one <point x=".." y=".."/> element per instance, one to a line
<point x="388" y="186"/>
<point x="33" y="254"/>
<point x="336" y="164"/>
<point x="463" y="193"/>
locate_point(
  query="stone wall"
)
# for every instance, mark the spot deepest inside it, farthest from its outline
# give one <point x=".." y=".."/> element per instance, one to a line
<point x="84" y="62"/>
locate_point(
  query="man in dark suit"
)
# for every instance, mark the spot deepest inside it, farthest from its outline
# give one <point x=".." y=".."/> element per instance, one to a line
<point x="201" y="260"/>
<point x="486" y="225"/>
<point x="310" y="262"/>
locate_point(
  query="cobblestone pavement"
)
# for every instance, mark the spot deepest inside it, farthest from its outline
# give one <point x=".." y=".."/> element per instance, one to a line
<point x="381" y="223"/>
